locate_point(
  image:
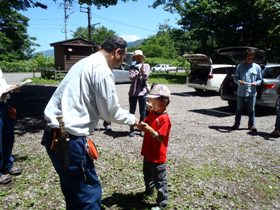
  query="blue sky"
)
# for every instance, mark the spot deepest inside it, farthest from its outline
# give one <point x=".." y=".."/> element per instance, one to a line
<point x="131" y="20"/>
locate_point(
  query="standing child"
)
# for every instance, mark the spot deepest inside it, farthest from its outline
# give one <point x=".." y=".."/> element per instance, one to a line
<point x="157" y="127"/>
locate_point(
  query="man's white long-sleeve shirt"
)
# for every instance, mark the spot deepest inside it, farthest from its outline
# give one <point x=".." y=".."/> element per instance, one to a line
<point x="85" y="94"/>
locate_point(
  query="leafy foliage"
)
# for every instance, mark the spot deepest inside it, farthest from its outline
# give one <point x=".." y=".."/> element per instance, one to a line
<point x="211" y="24"/>
<point x="15" y="43"/>
<point x="35" y="64"/>
<point x="98" y="34"/>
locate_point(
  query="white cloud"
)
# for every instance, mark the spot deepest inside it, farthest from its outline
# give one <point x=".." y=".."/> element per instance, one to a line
<point x="130" y="38"/>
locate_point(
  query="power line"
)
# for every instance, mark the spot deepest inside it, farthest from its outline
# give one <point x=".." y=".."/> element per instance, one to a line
<point x="132" y="26"/>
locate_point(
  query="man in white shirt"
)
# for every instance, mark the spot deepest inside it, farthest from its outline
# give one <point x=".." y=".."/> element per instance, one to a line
<point x="85" y="94"/>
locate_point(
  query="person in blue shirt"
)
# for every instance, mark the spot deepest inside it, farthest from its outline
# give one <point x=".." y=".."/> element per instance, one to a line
<point x="247" y="76"/>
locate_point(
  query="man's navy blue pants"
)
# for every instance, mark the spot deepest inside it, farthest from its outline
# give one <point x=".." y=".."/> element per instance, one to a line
<point x="79" y="181"/>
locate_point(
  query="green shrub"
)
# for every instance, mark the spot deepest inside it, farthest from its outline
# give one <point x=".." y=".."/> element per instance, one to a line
<point x="35" y="64"/>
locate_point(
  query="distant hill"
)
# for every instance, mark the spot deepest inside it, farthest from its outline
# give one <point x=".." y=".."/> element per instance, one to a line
<point x="50" y="52"/>
<point x="135" y="43"/>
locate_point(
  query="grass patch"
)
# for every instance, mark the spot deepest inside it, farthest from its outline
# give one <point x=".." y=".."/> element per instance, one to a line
<point x="167" y="78"/>
<point x="38" y="80"/>
<point x="208" y="186"/>
<point x="160" y="78"/>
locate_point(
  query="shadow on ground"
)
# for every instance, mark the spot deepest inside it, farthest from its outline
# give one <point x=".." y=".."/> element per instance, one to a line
<point x="30" y="103"/>
<point x="126" y="201"/>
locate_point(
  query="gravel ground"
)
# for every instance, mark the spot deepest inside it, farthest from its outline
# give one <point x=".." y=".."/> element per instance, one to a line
<point x="200" y="139"/>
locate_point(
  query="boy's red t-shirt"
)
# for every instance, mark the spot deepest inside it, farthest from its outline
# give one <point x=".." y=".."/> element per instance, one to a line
<point x="153" y="150"/>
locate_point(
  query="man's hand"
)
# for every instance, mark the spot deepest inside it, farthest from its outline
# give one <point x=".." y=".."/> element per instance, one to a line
<point x="254" y="84"/>
<point x="136" y="121"/>
<point x="142" y="126"/>
<point x="241" y="82"/>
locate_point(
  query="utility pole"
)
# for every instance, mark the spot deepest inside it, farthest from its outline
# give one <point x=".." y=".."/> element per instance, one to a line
<point x="65" y="20"/>
<point x="88" y="11"/>
<point x="66" y="6"/>
<point x="89" y="24"/>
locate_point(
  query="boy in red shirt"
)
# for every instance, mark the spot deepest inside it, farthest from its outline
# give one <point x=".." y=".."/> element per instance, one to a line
<point x="157" y="127"/>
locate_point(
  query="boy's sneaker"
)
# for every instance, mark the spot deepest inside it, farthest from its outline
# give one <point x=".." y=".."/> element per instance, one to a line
<point x="5" y="179"/>
<point x="13" y="171"/>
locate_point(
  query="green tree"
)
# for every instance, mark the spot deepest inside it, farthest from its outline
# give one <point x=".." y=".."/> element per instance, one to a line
<point x="15" y="43"/>
<point x="161" y="48"/>
<point x="98" y="34"/>
<point x="219" y="23"/>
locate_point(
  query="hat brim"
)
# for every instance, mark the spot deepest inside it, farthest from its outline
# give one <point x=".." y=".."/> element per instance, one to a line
<point x="152" y="96"/>
<point x="138" y="55"/>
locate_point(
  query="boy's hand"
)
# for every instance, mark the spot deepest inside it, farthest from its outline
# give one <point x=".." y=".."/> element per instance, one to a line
<point x="142" y="126"/>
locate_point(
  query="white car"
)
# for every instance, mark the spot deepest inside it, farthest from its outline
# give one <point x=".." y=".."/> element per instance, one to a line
<point x="204" y="75"/>
<point x="121" y="74"/>
<point x="164" y="67"/>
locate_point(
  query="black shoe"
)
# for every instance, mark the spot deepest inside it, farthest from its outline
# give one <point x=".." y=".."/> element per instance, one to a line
<point x="235" y="127"/>
<point x="275" y="133"/>
<point x="252" y="128"/>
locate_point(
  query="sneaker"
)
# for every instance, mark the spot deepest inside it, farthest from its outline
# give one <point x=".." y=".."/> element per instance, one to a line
<point x="13" y="171"/>
<point x="252" y="128"/>
<point x="5" y="179"/>
<point x="131" y="133"/>
<point x="235" y="127"/>
<point x="107" y="126"/>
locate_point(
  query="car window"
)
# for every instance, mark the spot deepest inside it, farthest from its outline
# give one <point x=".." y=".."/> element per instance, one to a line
<point x="224" y="70"/>
<point x="123" y="67"/>
<point x="271" y="72"/>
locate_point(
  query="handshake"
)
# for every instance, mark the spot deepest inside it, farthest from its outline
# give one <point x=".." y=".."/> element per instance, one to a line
<point x="146" y="128"/>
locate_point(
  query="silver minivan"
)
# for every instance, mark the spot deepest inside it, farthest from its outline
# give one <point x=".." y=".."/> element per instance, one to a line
<point x="205" y="75"/>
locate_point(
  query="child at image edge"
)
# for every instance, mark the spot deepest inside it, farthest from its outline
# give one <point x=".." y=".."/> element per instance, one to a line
<point x="157" y="127"/>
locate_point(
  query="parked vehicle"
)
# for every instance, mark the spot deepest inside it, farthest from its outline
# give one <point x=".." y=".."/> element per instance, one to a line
<point x="204" y="75"/>
<point x="266" y="92"/>
<point x="121" y="74"/>
<point x="164" y="67"/>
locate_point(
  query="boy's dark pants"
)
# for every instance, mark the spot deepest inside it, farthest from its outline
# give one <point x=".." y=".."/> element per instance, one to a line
<point x="155" y="176"/>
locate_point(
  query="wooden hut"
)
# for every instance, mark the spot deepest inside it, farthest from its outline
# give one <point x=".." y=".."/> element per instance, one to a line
<point x="69" y="52"/>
